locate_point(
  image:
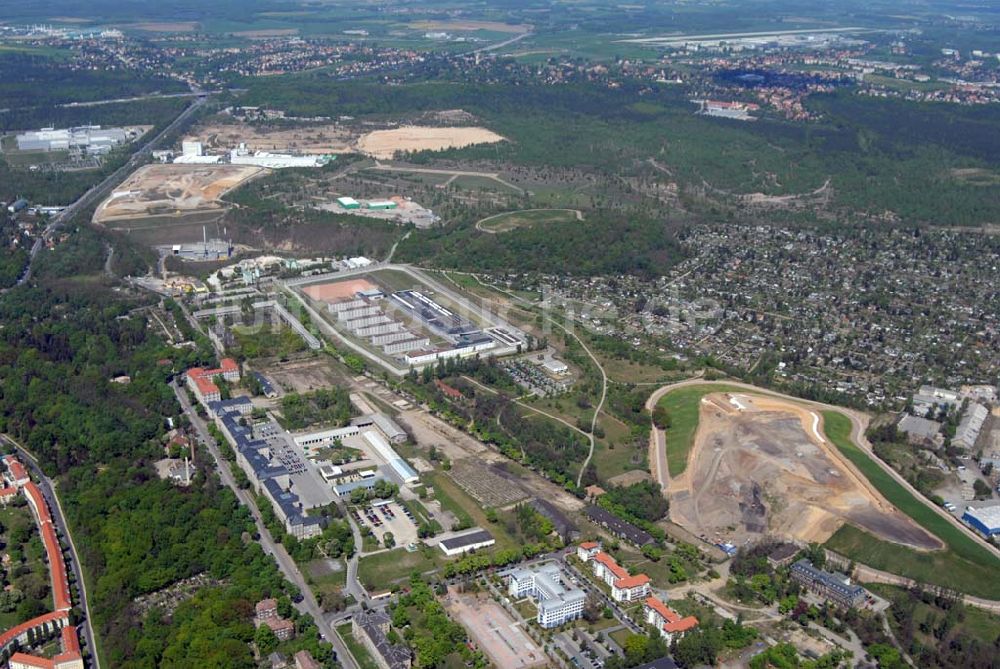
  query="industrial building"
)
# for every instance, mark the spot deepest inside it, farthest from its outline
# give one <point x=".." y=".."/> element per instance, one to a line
<point x="397" y="464"/>
<point x="970" y="426"/>
<point x="382" y="204"/>
<point x="90" y="139"/>
<point x="275" y="161"/>
<point x="473" y="540"/>
<point x="348" y="203"/>
<point x="835" y="587"/>
<point x="556" y="602"/>
<point x="919" y="430"/>
<point x="985" y="520"/>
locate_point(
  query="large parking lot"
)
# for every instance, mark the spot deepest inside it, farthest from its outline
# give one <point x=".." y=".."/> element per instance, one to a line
<point x="387" y="516"/>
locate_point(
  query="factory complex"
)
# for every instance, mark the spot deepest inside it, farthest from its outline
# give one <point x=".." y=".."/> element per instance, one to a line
<point x="410" y="327"/>
<point x="193" y="153"/>
<point x="90" y="140"/>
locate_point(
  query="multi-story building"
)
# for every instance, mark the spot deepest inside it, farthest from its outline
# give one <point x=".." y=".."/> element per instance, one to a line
<point x="371" y="629"/>
<point x="631" y="588"/>
<point x="624" y="586"/>
<point x="587" y="550"/>
<point x="556" y="602"/>
<point x="670" y="623"/>
<point x="832" y="586"/>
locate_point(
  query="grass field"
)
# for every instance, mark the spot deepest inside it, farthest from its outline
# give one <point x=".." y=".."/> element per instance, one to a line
<point x="964" y="565"/>
<point x="513" y="220"/>
<point x="382" y="570"/>
<point x="682" y="405"/>
<point x="360" y="653"/>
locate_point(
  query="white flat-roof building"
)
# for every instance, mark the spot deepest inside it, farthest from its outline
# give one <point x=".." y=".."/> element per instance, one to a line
<point x="556" y="602"/>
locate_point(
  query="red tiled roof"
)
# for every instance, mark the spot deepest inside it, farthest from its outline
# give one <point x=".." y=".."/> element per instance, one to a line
<point x="609" y="562"/>
<point x="682" y="625"/>
<point x="32" y="661"/>
<point x="265" y="605"/>
<point x="587" y="545"/>
<point x="631" y="581"/>
<point x="674" y="622"/>
<point x="228" y="365"/>
<point x="7" y="492"/>
<point x="205" y="385"/>
<point x="57" y="567"/>
<point x="195" y="372"/>
<point x="448" y="390"/>
<point x="17" y="631"/>
<point x="70" y="640"/>
<point x="17" y="470"/>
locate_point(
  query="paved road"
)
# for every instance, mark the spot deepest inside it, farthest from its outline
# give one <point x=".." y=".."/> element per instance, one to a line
<point x="45" y="485"/>
<point x="859" y="424"/>
<point x="100" y="190"/>
<point x="277" y="551"/>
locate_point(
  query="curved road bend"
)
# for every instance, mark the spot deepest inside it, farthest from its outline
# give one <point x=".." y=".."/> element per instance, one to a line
<point x="285" y="563"/>
<point x="48" y="491"/>
<point x="859" y="423"/>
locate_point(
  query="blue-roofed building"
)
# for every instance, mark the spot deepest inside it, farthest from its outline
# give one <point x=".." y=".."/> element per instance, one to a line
<point x="985" y="520"/>
<point x="241" y="405"/>
<point x="288" y="507"/>
<point x="365" y="483"/>
<point x="266" y="386"/>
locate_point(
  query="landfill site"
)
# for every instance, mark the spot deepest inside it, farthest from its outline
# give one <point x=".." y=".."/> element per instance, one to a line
<point x="761" y="466"/>
<point x="173" y="190"/>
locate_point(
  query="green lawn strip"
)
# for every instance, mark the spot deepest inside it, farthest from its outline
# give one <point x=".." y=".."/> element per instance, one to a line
<point x="360" y="653"/>
<point x="683" y="406"/>
<point x="838" y="428"/>
<point x="942" y="568"/>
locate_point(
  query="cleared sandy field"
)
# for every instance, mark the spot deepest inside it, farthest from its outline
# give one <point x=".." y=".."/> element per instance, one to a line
<point x="761" y="466"/>
<point x="328" y="138"/>
<point x="384" y="144"/>
<point x="171" y="190"/>
<point x="495" y="631"/>
<point x="338" y="291"/>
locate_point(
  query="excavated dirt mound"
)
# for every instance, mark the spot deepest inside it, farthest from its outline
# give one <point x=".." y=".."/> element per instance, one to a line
<point x="760" y="465"/>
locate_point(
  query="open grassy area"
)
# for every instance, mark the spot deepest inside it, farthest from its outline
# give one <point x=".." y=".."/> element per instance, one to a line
<point x="513" y="220"/>
<point x="360" y="653"/>
<point x="682" y="405"/>
<point x="383" y="570"/>
<point x="944" y="568"/>
<point x="964" y="565"/>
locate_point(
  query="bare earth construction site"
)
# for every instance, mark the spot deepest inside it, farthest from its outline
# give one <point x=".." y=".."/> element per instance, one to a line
<point x="760" y="466"/>
<point x="172" y="190"/>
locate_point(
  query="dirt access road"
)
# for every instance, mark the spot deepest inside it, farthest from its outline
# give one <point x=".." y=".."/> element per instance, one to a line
<point x="859" y="423"/>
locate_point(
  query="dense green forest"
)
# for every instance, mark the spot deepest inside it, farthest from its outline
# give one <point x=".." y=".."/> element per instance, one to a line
<point x="32" y="80"/>
<point x="63" y="339"/>
<point x="603" y="244"/>
<point x="874" y="162"/>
